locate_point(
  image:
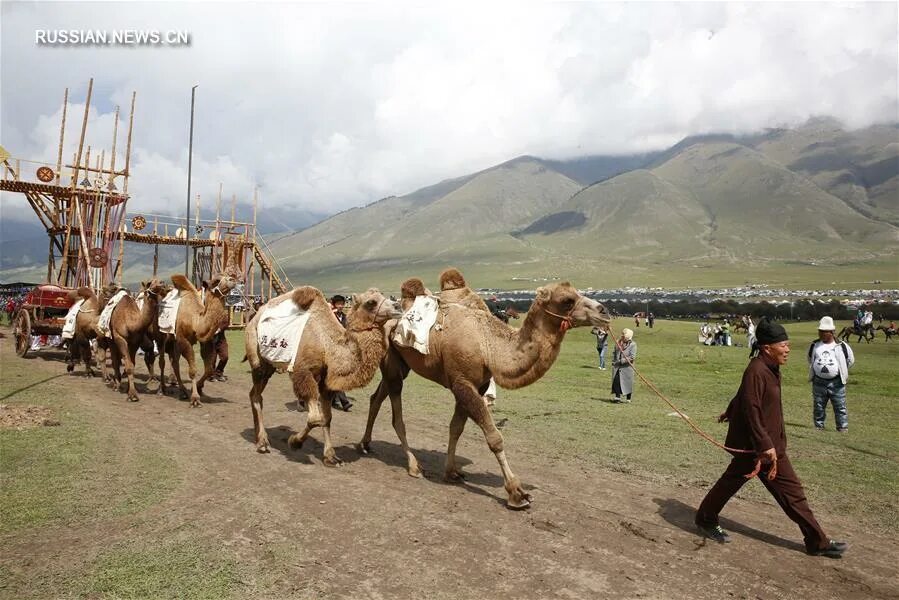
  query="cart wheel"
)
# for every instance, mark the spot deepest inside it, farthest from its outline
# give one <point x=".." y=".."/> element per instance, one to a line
<point x="22" y="333"/>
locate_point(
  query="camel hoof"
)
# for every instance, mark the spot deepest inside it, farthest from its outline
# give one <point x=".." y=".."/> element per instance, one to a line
<point x="518" y="500"/>
<point x="262" y="449"/>
<point x="70" y="368"/>
<point x="416" y="473"/>
<point x="332" y="461"/>
<point x="295" y="441"/>
<point x="195" y="403"/>
<point x="454" y="476"/>
<point x="364" y="448"/>
<point x="133" y="399"/>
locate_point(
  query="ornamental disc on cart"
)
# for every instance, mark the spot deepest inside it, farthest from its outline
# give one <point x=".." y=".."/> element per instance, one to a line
<point x="45" y="174"/>
<point x="98" y="257"/>
<point x="138" y="222"/>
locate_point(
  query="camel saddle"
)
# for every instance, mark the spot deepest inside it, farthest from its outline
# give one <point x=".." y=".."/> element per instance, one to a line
<point x="414" y="327"/>
<point x="279" y="332"/>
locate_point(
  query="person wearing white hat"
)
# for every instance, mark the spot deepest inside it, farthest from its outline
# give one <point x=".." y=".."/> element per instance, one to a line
<point x="623" y="357"/>
<point x="829" y="362"/>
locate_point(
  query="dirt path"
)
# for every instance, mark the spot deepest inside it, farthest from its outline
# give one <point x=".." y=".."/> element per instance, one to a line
<point x="367" y="530"/>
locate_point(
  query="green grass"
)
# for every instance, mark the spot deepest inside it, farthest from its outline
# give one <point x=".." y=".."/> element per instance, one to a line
<point x="75" y="471"/>
<point x="566" y="416"/>
<point x="176" y="569"/>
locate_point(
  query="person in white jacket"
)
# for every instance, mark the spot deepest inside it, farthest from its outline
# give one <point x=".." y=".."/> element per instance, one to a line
<point x="829" y="361"/>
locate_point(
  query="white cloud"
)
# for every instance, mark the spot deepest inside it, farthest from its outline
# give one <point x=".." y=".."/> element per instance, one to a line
<point x="327" y="106"/>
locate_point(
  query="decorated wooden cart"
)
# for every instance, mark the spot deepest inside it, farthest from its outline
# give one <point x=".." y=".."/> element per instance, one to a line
<point x="43" y="313"/>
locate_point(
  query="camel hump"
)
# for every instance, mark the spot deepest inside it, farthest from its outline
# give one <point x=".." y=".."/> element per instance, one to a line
<point x="451" y="279"/>
<point x="304" y="296"/>
<point x="183" y="283"/>
<point x="84" y="292"/>
<point x="413" y="287"/>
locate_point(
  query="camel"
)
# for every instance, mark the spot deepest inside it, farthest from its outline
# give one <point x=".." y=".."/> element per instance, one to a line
<point x="85" y="327"/>
<point x="197" y="321"/>
<point x="329" y="358"/>
<point x="453" y="290"/>
<point x="470" y="347"/>
<point x="866" y="332"/>
<point x="887" y="331"/>
<point x="128" y="326"/>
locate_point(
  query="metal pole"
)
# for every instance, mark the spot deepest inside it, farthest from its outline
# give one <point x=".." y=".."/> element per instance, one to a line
<point x="190" y="156"/>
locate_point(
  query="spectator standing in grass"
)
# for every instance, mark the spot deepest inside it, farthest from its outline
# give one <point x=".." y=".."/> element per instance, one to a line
<point x="602" y="343"/>
<point x="829" y="362"/>
<point x="623" y="356"/>
<point x="756" y="424"/>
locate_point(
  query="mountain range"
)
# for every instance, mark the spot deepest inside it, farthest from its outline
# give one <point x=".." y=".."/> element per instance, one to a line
<point x="806" y="207"/>
<point x="810" y="205"/>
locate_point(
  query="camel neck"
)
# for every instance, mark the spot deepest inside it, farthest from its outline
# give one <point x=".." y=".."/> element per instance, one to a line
<point x="355" y="358"/>
<point x="526" y="355"/>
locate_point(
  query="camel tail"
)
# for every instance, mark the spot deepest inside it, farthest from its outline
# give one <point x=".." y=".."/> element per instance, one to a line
<point x="452" y="279"/>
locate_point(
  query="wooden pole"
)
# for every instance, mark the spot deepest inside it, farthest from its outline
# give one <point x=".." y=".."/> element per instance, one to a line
<point x="155" y="259"/>
<point x="83" y="245"/>
<point x="255" y="200"/>
<point x="87" y="106"/>
<point x="128" y="145"/>
<point x="62" y="133"/>
<point x="115" y="137"/>
<point x="233" y="207"/>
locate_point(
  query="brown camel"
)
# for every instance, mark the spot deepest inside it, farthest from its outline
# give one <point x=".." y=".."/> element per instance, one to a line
<point x="471" y="346"/>
<point x="197" y="321"/>
<point x="85" y="327"/>
<point x="128" y="326"/>
<point x="329" y="358"/>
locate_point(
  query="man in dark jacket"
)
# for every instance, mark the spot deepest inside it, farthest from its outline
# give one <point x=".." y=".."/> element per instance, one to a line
<point x="756" y="424"/>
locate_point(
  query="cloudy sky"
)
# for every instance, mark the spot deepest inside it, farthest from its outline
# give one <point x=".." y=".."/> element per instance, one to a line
<point x="327" y="106"/>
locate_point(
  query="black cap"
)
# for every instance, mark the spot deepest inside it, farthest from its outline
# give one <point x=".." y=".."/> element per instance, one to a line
<point x="768" y="332"/>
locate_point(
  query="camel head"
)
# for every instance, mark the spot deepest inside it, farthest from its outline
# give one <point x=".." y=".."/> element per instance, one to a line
<point x="223" y="284"/>
<point x="372" y="307"/>
<point x="154" y="287"/>
<point x="561" y="302"/>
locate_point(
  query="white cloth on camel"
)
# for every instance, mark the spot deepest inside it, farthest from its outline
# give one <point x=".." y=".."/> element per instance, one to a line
<point x="278" y="333"/>
<point x="414" y="327"/>
<point x="168" y="311"/>
<point x="68" y="330"/>
<point x="103" y="323"/>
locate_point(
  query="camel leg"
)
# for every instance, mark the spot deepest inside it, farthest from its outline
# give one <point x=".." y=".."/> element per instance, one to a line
<point x="191" y="356"/>
<point x="329" y="456"/>
<point x="260" y="380"/>
<point x="374" y="407"/>
<point x="457" y="426"/>
<point x="86" y="357"/>
<point x="101" y="359"/>
<point x="467" y="395"/>
<point x="207" y="353"/>
<point x="306" y="390"/>
<point x="161" y="390"/>
<point x="396" y="406"/>
<point x="115" y="381"/>
<point x="149" y="358"/>
<point x="127" y="354"/>
<point x="179" y="349"/>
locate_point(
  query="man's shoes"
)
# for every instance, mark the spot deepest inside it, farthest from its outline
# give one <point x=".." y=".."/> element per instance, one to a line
<point x="714" y="532"/>
<point x="615" y="400"/>
<point x="832" y="550"/>
<point x="843" y="430"/>
<point x="819" y="427"/>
